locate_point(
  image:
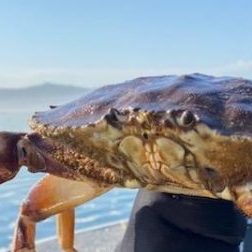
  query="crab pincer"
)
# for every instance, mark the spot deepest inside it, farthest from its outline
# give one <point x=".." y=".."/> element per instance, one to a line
<point x="10" y="155"/>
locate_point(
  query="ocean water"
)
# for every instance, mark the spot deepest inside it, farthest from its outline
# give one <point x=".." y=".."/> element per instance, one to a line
<point x="111" y="207"/>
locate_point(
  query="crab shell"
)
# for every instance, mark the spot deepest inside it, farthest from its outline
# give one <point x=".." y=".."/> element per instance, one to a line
<point x="189" y="134"/>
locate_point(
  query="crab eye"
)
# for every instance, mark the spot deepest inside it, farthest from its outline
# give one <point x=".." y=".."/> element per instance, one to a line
<point x="187" y="119"/>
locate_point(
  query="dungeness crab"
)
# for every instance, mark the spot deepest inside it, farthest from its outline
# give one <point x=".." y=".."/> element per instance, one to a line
<point x="189" y="134"/>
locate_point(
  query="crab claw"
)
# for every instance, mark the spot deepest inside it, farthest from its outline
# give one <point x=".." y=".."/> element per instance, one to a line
<point x="9" y="160"/>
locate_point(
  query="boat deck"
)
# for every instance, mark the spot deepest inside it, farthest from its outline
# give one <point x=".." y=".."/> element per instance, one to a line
<point x="106" y="239"/>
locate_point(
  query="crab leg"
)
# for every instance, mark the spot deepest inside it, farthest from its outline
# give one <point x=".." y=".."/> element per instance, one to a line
<point x="53" y="195"/>
<point x="65" y="228"/>
<point x="243" y="198"/>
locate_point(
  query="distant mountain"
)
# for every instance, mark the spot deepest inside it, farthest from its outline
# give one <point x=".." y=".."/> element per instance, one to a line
<point x="41" y="90"/>
<point x="38" y="97"/>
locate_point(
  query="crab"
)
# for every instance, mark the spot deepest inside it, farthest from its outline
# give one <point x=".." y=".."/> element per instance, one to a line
<point x="189" y="134"/>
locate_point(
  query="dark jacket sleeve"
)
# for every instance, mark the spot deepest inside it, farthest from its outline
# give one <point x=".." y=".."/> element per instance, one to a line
<point x="176" y="223"/>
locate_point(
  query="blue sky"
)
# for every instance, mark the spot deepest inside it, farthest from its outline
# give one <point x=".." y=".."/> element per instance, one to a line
<point x="91" y="43"/>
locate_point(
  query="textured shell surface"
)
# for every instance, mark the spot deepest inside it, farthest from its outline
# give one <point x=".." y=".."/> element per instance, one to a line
<point x="222" y="103"/>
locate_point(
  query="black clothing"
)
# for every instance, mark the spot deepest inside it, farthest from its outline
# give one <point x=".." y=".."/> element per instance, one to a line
<point x="163" y="222"/>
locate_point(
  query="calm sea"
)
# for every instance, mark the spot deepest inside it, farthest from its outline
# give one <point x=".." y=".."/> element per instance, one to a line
<point x="112" y="207"/>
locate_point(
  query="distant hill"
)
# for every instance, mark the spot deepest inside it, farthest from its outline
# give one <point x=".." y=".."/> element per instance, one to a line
<point x="38" y="97"/>
<point x="41" y="90"/>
